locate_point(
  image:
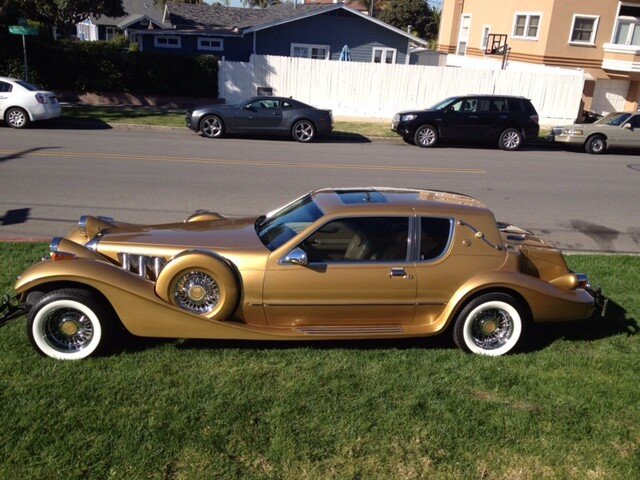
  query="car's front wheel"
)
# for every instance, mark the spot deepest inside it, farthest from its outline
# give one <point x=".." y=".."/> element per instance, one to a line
<point x="16" y="117"/>
<point x="596" y="145"/>
<point x="491" y="324"/>
<point x="426" y="136"/>
<point x="510" y="139"/>
<point x="70" y="324"/>
<point x="211" y="126"/>
<point x="303" y="131"/>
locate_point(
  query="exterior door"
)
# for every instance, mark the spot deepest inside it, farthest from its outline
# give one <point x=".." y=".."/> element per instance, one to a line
<point x="358" y="275"/>
<point x="260" y="115"/>
<point x="5" y="97"/>
<point x="462" y="120"/>
<point x="626" y="137"/>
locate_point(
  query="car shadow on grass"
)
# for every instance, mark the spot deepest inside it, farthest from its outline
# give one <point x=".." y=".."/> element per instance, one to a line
<point x="538" y="337"/>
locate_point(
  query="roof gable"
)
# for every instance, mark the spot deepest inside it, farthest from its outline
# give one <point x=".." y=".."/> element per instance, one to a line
<point x="141" y="8"/>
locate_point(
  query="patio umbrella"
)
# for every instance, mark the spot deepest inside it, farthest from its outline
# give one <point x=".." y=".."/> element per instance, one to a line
<point x="345" y="54"/>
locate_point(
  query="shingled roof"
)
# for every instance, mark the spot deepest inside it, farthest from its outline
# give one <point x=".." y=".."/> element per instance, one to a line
<point x="134" y="10"/>
<point x="218" y="17"/>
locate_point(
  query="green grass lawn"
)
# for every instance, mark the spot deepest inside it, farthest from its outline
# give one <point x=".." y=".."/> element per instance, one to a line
<point x="169" y="118"/>
<point x="568" y="408"/>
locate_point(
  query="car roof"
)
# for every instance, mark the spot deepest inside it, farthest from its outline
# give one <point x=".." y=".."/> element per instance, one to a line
<point x="8" y="79"/>
<point x="394" y="200"/>
<point x="492" y="95"/>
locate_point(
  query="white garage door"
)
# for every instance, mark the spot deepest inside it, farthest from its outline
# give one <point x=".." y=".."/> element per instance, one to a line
<point x="609" y="96"/>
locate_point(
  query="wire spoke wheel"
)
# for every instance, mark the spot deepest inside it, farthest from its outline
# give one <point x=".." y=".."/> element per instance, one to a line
<point x="196" y="292"/>
<point x="491" y="328"/>
<point x="67" y="330"/>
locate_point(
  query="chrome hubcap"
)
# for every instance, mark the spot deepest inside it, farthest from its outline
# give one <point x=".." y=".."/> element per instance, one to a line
<point x="491" y="328"/>
<point x="426" y="136"/>
<point x="197" y="292"/>
<point x="511" y="139"/>
<point x="211" y="127"/>
<point x="303" y="132"/>
<point x="16" y="118"/>
<point x="67" y="330"/>
<point x="597" y="145"/>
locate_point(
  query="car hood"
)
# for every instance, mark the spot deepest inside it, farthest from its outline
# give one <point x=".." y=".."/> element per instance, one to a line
<point x="165" y="239"/>
<point x="213" y="106"/>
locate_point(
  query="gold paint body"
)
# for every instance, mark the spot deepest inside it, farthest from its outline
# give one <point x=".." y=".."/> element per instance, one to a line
<point x="277" y="301"/>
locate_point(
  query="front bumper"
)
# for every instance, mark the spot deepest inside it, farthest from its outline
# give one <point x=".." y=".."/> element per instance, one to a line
<point x="401" y="128"/>
<point x="11" y="309"/>
<point x="575" y="140"/>
<point x="600" y="302"/>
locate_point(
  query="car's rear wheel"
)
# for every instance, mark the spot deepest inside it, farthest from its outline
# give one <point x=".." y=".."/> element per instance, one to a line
<point x="16" y="117"/>
<point x="510" y="139"/>
<point x="596" y="144"/>
<point x="303" y="131"/>
<point x="426" y="136"/>
<point x="491" y="324"/>
<point x="211" y="126"/>
<point x="70" y="324"/>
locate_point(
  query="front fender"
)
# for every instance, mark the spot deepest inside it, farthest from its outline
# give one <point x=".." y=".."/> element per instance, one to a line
<point x="546" y="302"/>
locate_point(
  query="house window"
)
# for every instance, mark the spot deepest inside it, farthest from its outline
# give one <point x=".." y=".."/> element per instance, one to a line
<point x="383" y="55"/>
<point x="111" y="33"/>
<point x="584" y="29"/>
<point x="167" y="41"/>
<point x="304" y="50"/>
<point x="215" y="44"/>
<point x="486" y="30"/>
<point x="526" y="25"/>
<point x="627" y="30"/>
<point x="463" y="34"/>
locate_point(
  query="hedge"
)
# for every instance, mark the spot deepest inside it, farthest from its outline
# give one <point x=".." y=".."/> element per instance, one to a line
<point x="100" y="67"/>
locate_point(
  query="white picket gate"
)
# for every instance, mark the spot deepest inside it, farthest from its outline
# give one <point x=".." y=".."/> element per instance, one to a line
<point x="369" y="90"/>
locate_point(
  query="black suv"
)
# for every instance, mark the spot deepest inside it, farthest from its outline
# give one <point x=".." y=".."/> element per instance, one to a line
<point x="510" y="121"/>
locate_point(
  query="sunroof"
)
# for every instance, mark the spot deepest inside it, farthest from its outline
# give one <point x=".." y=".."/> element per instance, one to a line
<point x="350" y="197"/>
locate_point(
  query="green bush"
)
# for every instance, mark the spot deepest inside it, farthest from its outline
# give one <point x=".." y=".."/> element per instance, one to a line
<point x="100" y="67"/>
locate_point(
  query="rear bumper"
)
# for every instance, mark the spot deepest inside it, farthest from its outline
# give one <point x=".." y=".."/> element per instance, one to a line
<point x="45" y="111"/>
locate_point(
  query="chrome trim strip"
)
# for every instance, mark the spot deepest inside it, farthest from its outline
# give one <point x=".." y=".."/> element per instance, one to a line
<point x="399" y="304"/>
<point x="82" y="224"/>
<point x="447" y="247"/>
<point x="93" y="243"/>
<point x="337" y="330"/>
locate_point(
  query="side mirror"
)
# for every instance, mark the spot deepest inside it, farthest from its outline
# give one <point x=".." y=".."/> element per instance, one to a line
<point x="627" y="126"/>
<point x="249" y="107"/>
<point x="297" y="256"/>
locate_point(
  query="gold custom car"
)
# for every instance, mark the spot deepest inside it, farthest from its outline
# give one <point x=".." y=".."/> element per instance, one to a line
<point x="333" y="264"/>
<point x="616" y="130"/>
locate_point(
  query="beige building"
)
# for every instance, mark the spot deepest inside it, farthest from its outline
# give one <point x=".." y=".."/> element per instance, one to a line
<point x="602" y="37"/>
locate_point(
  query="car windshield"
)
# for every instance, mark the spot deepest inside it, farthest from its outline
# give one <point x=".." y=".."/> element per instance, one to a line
<point x="614" y="119"/>
<point x="442" y="104"/>
<point x="280" y="226"/>
<point x="28" y="85"/>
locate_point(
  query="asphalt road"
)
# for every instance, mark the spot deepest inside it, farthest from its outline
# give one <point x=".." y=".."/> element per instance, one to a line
<point x="51" y="175"/>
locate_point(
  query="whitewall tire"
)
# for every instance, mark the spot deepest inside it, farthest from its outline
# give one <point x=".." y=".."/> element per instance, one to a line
<point x="491" y="324"/>
<point x="69" y="324"/>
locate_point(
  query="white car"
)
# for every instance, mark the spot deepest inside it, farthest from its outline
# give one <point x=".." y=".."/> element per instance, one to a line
<point x="22" y="103"/>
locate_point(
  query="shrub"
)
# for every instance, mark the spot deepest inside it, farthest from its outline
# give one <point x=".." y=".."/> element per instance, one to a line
<point x="99" y="67"/>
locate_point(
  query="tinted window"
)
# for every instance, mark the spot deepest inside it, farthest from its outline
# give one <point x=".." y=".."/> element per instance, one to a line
<point x="28" y="86"/>
<point x="5" y="87"/>
<point x="515" y="105"/>
<point x="286" y="105"/>
<point x="635" y="121"/>
<point x="359" y="239"/>
<point x="264" y="104"/>
<point x="466" y="105"/>
<point x="434" y="237"/>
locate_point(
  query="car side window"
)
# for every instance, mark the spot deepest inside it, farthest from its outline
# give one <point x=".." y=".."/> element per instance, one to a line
<point x="5" y="87"/>
<point x="466" y="105"/>
<point x="286" y="105"/>
<point x="362" y="239"/>
<point x="515" y="105"/>
<point x="635" y="122"/>
<point x="434" y="237"/>
<point x="264" y="104"/>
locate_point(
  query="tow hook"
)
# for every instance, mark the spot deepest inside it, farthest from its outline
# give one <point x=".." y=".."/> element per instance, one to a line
<point x="14" y="309"/>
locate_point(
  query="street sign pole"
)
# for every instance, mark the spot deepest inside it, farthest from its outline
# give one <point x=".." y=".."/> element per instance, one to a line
<point x="24" y="31"/>
<point x="26" y="65"/>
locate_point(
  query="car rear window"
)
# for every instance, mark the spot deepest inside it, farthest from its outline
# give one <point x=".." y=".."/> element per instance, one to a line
<point x="515" y="105"/>
<point x="28" y="85"/>
<point x="434" y="237"/>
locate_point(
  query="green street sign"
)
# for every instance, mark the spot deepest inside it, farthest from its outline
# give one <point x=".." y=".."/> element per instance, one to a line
<point x="20" y="30"/>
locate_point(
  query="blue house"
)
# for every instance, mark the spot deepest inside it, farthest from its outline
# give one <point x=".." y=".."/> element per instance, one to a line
<point x="317" y="31"/>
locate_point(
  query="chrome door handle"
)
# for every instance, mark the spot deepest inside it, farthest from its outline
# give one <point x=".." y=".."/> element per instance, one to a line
<point x="399" y="272"/>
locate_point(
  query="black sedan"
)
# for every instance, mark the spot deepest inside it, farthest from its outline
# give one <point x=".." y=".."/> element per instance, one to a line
<point x="261" y="116"/>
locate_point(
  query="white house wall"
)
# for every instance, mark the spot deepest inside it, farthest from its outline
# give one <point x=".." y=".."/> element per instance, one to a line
<point x="377" y="90"/>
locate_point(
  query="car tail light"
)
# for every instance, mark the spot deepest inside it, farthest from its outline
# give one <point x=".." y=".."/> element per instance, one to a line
<point x="41" y="98"/>
<point x="56" y="256"/>
<point x="535" y="118"/>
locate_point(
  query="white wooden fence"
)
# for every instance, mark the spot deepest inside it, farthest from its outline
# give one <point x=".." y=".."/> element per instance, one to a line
<point x="359" y="89"/>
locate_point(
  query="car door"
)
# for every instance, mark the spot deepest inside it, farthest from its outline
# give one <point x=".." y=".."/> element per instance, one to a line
<point x="626" y="135"/>
<point x="260" y="116"/>
<point x="358" y="274"/>
<point x="494" y="117"/>
<point x="461" y="120"/>
<point x="5" y="96"/>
